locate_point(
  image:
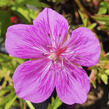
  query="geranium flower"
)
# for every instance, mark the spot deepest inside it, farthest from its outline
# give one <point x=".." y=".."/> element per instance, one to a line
<point x="56" y="57"/>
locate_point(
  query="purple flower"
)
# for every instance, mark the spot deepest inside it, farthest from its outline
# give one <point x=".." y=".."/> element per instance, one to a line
<point x="55" y="57"/>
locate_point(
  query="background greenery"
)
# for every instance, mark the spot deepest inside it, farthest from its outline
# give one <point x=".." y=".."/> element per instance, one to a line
<point x="93" y="14"/>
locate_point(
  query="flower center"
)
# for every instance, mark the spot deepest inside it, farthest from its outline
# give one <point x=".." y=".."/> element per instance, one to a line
<point x="56" y="54"/>
<point x="52" y="56"/>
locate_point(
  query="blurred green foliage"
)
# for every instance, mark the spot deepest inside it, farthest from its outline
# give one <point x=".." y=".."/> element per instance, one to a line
<point x="25" y="12"/>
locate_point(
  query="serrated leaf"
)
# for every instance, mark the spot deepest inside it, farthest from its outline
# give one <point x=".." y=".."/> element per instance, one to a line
<point x="55" y="103"/>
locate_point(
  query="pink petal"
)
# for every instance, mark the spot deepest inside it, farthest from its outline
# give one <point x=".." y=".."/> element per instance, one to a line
<point x="53" y="24"/>
<point x="34" y="81"/>
<point x="83" y="47"/>
<point x="24" y="41"/>
<point x="72" y="84"/>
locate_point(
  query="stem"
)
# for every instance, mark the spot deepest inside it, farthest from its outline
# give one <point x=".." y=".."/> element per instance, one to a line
<point x="83" y="10"/>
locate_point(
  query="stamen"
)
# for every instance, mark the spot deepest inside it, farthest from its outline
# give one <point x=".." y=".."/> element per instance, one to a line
<point x="52" y="56"/>
<point x="61" y="50"/>
<point x="56" y="54"/>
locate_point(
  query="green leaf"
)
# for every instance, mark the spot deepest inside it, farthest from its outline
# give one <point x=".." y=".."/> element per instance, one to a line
<point x="55" y="103"/>
<point x="4" y="3"/>
<point x="104" y="78"/>
<point x="24" y="13"/>
<point x="9" y="104"/>
<point x="102" y="19"/>
<point x="57" y="1"/>
<point x="4" y="22"/>
<point x="107" y="72"/>
<point x="30" y="105"/>
<point x="22" y="103"/>
<point x="103" y="27"/>
<point x="101" y="54"/>
<point x="102" y="10"/>
<point x="0" y="28"/>
<point x="5" y="99"/>
<point x="5" y="90"/>
<point x="5" y="75"/>
<point x="36" y="3"/>
<point x="8" y="65"/>
<point x="84" y="20"/>
<point x="92" y="26"/>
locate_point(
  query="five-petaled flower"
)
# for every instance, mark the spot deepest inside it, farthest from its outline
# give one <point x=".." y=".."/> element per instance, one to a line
<point x="55" y="57"/>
